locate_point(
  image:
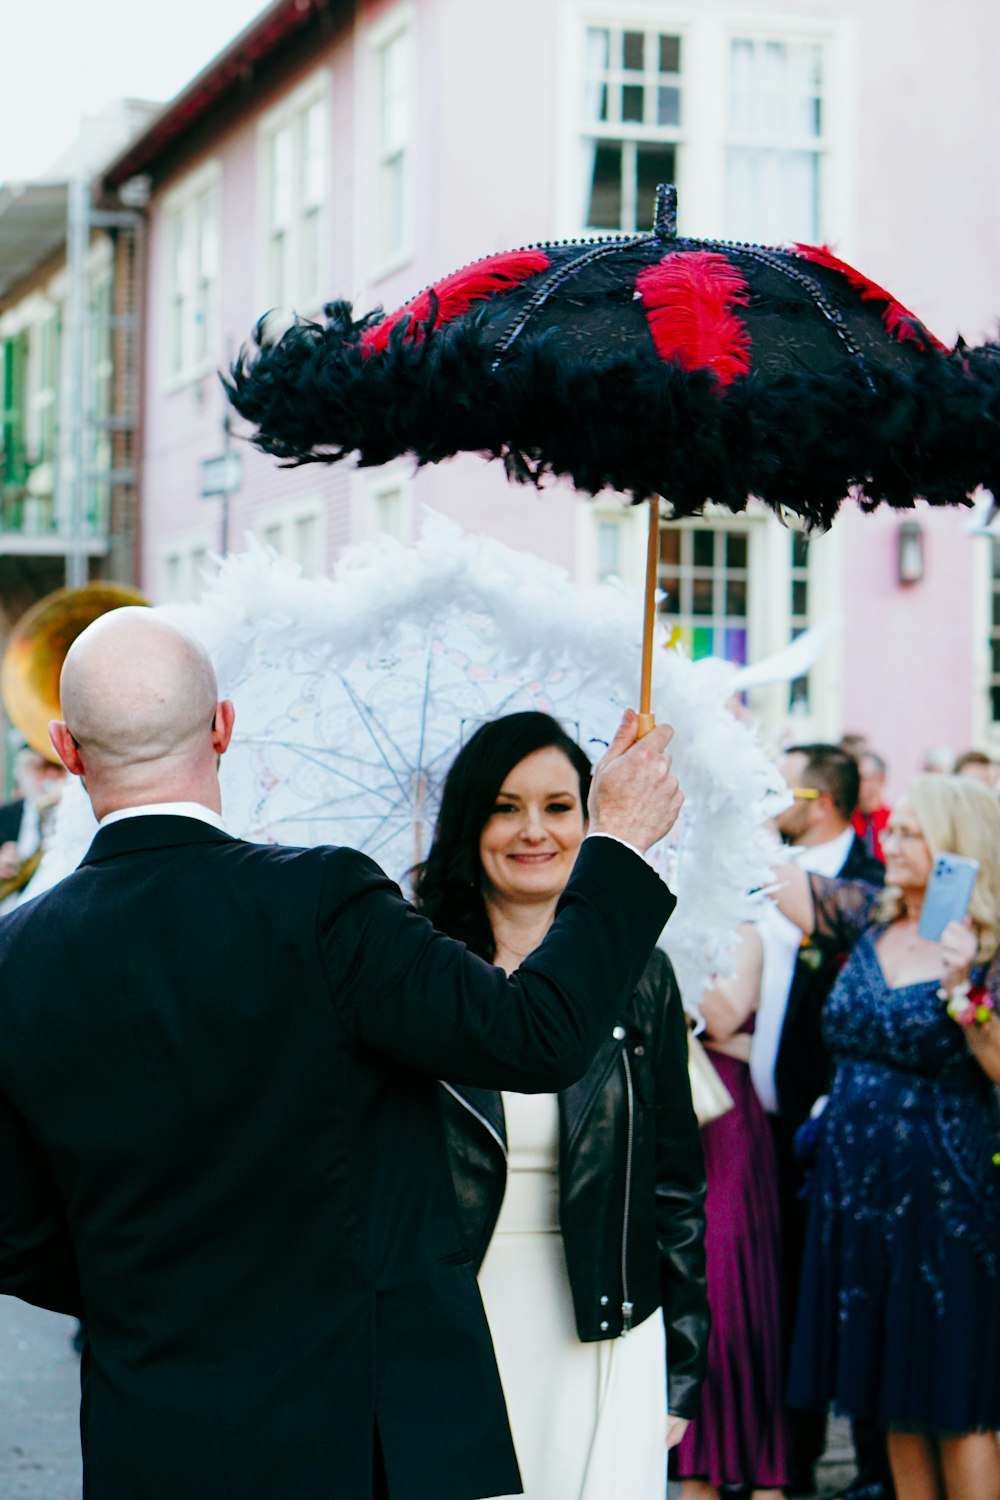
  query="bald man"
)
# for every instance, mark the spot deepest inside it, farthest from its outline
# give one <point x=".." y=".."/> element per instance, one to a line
<point x="219" y="1125"/>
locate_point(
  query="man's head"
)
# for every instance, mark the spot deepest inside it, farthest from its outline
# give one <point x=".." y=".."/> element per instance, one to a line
<point x="871" y="793"/>
<point x="141" y="717"/>
<point x="854" y="744"/>
<point x="977" y="764"/>
<point x="823" y="780"/>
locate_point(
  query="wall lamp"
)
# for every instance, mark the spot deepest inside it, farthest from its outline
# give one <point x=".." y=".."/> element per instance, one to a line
<point x="910" y="553"/>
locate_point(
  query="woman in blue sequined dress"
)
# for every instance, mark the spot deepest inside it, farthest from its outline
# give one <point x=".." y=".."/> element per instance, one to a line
<point x="899" y="1314"/>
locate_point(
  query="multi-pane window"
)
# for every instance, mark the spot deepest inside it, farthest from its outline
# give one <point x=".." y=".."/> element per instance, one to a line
<point x="776" y="139"/>
<point x="632" y="123"/>
<point x="185" y="566"/>
<point x="393" y="135"/>
<point x="798" y="614"/>
<point x="385" y="505"/>
<point x="192" y="240"/>
<point x="295" y="532"/>
<point x="388" y="516"/>
<point x="609" y="550"/>
<point x="294" y="147"/>
<point x="994" y="661"/>
<point x="704" y="576"/>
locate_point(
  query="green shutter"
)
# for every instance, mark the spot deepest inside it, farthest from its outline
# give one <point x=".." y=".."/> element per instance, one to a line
<point x="15" y="359"/>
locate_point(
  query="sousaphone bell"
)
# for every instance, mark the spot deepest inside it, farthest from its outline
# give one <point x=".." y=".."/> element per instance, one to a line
<point x="32" y="663"/>
<point x="31" y="667"/>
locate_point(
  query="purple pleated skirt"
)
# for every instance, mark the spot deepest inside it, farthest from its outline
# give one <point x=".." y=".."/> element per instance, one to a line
<point x="738" y="1437"/>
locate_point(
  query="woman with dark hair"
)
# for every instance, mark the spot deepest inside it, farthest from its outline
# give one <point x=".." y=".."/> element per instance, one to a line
<point x="583" y="1210"/>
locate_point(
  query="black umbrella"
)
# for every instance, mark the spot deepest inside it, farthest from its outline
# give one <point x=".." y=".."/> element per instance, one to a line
<point x="695" y="370"/>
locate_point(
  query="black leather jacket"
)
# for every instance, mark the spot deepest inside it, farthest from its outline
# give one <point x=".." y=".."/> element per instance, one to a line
<point x="632" y="1182"/>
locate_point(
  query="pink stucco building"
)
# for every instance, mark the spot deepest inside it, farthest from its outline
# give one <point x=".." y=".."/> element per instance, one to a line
<point x="364" y="148"/>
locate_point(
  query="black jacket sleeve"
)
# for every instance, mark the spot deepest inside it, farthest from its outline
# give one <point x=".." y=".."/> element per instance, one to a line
<point x="424" y="1001"/>
<point x="36" y="1255"/>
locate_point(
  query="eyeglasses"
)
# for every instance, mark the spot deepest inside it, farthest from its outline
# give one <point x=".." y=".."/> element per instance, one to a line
<point x="805" y="793"/>
<point x="905" y="835"/>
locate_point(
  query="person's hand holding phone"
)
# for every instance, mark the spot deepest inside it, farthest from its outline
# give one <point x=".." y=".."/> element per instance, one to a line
<point x="948" y="894"/>
<point x="958" y="951"/>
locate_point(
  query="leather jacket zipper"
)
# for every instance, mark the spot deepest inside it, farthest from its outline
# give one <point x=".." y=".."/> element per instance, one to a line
<point x="629" y="1094"/>
<point x="476" y="1116"/>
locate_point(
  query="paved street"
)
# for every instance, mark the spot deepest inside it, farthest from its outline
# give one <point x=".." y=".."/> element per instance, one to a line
<point x="39" y="1399"/>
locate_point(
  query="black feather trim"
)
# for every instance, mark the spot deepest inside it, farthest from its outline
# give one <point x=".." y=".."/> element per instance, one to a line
<point x="622" y="419"/>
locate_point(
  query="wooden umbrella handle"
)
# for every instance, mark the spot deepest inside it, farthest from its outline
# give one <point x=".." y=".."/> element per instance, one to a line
<point x="647" y="720"/>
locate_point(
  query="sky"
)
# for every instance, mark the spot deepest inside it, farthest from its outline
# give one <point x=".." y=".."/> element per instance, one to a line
<point x="64" y="59"/>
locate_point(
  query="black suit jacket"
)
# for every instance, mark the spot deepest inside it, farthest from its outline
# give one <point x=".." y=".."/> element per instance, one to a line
<point x="222" y="1146"/>
<point x="802" y="1069"/>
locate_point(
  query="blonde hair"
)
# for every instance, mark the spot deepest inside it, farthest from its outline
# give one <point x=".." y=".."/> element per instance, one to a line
<point x="958" y="815"/>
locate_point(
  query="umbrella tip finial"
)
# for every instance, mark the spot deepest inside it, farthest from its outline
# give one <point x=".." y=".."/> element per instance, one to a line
<point x="665" y="213"/>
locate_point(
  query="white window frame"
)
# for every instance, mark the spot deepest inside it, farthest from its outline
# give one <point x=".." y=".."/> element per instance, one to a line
<point x="373" y="154"/>
<point x="745" y="526"/>
<point x="630" y="523"/>
<point x="288" y="120"/>
<point x="370" y="488"/>
<point x="704" y="133"/>
<point x="191" y="551"/>
<point x="769" y="619"/>
<point x="201" y="187"/>
<point x="773" y="617"/>
<point x="985" y="729"/>
<point x="630" y="134"/>
<point x="284" y="518"/>
<point x="772" y="143"/>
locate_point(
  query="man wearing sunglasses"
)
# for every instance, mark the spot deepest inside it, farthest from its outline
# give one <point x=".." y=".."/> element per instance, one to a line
<point x="790" y="1063"/>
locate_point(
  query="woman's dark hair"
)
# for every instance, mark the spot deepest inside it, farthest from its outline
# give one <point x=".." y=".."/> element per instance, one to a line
<point x="447" y="886"/>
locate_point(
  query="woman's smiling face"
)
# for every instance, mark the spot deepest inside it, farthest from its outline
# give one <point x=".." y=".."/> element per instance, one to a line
<point x="529" y="842"/>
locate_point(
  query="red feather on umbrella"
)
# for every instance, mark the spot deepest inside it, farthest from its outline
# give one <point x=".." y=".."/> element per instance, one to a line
<point x="689" y="300"/>
<point x="897" y="318"/>
<point x="454" y="295"/>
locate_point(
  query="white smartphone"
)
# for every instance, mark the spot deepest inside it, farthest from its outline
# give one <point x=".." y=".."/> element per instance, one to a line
<point x="949" y="892"/>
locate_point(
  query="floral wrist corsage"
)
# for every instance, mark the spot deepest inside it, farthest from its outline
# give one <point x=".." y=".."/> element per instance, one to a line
<point x="968" y="1004"/>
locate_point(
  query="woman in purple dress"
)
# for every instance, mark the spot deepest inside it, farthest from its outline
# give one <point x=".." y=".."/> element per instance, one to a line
<point x="737" y="1439"/>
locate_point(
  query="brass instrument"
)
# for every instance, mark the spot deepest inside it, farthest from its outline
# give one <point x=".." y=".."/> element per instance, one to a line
<point x="29" y="677"/>
<point x="19" y="880"/>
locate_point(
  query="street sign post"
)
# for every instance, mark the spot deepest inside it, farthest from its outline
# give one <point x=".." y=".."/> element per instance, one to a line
<point x="222" y="475"/>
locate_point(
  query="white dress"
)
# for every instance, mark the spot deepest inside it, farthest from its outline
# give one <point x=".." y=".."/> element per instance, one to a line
<point x="589" y="1420"/>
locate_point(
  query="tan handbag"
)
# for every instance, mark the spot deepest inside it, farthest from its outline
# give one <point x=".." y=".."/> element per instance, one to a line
<point x="709" y="1095"/>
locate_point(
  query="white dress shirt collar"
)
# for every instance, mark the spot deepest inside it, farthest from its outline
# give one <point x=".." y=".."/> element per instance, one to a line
<point x="166" y="809"/>
<point x="829" y="858"/>
<point x="781" y="941"/>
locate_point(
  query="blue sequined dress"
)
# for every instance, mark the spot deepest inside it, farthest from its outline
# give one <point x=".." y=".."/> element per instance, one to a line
<point x="899" y="1311"/>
